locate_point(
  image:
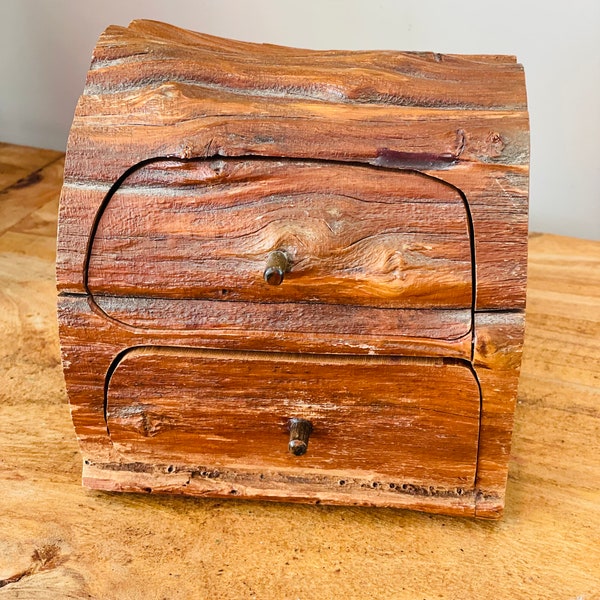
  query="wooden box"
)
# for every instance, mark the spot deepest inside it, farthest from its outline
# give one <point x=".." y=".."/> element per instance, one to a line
<point x="294" y="275"/>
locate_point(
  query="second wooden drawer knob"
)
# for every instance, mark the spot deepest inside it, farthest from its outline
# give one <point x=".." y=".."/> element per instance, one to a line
<point x="300" y="430"/>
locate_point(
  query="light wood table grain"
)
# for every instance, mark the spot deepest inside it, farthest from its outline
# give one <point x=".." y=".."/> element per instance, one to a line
<point x="58" y="540"/>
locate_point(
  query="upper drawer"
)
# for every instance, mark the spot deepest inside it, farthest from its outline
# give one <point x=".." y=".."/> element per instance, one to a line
<point x="355" y="235"/>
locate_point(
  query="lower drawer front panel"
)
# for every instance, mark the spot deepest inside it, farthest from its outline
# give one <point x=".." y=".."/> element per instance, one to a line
<point x="413" y="420"/>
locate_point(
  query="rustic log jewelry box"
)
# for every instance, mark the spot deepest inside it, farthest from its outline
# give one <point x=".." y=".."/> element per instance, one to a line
<point x="294" y="275"/>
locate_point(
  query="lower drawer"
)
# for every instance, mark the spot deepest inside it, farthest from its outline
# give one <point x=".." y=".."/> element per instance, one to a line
<point x="409" y="420"/>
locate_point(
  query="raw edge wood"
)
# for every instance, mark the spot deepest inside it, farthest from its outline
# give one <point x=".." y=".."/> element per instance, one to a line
<point x="497" y="361"/>
<point x="465" y="124"/>
<point x="468" y="118"/>
<point x="202" y="481"/>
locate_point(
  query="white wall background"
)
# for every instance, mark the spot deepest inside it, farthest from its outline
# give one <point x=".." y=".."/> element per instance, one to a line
<point x="45" y="48"/>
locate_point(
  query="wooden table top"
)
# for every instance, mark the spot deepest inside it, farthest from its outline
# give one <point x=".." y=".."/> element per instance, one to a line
<point x="58" y="540"/>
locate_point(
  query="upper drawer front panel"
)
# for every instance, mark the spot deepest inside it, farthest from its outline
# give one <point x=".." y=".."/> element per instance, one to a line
<point x="354" y="234"/>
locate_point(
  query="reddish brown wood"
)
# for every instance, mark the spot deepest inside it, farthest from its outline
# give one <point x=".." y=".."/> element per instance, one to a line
<point x="497" y="362"/>
<point x="353" y="235"/>
<point x="379" y="418"/>
<point x="297" y="327"/>
<point x="395" y="184"/>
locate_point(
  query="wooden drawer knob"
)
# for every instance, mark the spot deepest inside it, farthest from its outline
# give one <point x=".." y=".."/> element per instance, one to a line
<point x="300" y="430"/>
<point x="277" y="265"/>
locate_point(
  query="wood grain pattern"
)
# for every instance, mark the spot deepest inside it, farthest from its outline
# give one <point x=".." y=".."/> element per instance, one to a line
<point x="497" y="362"/>
<point x="232" y="410"/>
<point x="353" y="235"/>
<point x="461" y="119"/>
<point x="45" y="180"/>
<point x="397" y="186"/>
<point x="20" y="164"/>
<point x="90" y="343"/>
<point x="61" y="540"/>
<point x="309" y="327"/>
<point x="384" y="77"/>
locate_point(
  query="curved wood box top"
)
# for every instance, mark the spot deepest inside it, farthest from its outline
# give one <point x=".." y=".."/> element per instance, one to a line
<point x="155" y="91"/>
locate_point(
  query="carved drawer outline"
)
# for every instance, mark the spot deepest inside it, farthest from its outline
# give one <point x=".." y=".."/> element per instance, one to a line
<point x="127" y="317"/>
<point x="138" y="424"/>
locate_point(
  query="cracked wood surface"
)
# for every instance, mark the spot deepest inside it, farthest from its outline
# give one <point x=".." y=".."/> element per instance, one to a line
<point x="154" y="90"/>
<point x="353" y="235"/>
<point x="396" y="184"/>
<point x="252" y="395"/>
<point x="58" y="540"/>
